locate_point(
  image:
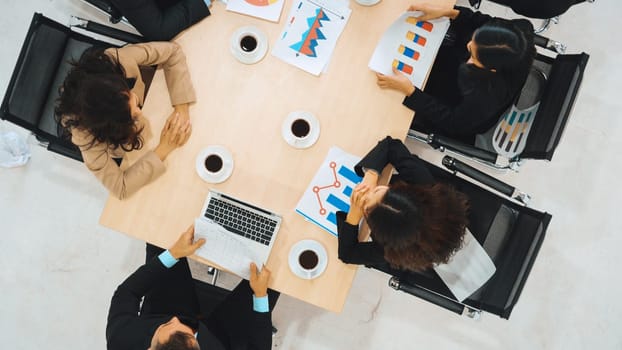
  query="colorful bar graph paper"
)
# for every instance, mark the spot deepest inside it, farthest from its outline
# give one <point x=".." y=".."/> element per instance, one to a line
<point x="408" y="52"/>
<point x="416" y="38"/>
<point x="401" y="66"/>
<point x="427" y="26"/>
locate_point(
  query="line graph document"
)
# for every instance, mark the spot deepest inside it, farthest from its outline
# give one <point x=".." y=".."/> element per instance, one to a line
<point x="330" y="190"/>
<point x="311" y="33"/>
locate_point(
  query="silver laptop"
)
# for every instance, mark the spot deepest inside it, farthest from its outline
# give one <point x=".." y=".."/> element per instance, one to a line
<point x="236" y="233"/>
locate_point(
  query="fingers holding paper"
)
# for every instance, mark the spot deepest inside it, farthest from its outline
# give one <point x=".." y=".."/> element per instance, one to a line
<point x="398" y="81"/>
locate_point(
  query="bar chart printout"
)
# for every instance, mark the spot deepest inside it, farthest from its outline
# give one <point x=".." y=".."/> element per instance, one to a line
<point x="410" y="46"/>
<point x="330" y="190"/>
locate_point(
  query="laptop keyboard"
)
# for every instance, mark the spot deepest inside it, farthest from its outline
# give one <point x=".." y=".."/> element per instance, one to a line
<point x="241" y="221"/>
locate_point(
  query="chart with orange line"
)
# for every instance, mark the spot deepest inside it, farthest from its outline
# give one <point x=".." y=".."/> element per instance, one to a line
<point x="330" y="190"/>
<point x="410" y="46"/>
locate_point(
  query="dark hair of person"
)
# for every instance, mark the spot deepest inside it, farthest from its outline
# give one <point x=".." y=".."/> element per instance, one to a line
<point x="506" y="46"/>
<point x="179" y="341"/>
<point x="95" y="97"/>
<point x="419" y="226"/>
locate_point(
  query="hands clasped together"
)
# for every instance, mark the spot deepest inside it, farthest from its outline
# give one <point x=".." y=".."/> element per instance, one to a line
<point x="175" y="132"/>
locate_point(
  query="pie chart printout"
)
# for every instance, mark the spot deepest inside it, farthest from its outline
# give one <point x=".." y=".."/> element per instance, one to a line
<point x="261" y="2"/>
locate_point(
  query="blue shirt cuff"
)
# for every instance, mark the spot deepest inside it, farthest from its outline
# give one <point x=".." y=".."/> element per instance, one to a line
<point x="261" y="304"/>
<point x="167" y="259"/>
<point x="208" y="3"/>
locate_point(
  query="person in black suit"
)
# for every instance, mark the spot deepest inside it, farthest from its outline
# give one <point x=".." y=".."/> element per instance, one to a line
<point x="415" y="221"/>
<point x="161" y="20"/>
<point x="478" y="72"/>
<point x="169" y="316"/>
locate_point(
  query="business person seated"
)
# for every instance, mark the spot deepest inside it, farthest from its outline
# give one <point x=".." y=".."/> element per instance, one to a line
<point x="169" y="316"/>
<point x="162" y="19"/>
<point x="478" y="72"/>
<point x="99" y="108"/>
<point x="415" y="222"/>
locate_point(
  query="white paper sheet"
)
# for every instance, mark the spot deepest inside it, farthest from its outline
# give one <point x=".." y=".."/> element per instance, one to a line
<point x="265" y="9"/>
<point x="311" y="33"/>
<point x="468" y="269"/>
<point x="410" y="46"/>
<point x="224" y="249"/>
<point x="330" y="190"/>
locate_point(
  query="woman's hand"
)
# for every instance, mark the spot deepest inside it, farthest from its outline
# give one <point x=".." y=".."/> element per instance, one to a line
<point x="433" y="11"/>
<point x="397" y="81"/>
<point x="174" y="134"/>
<point x="357" y="201"/>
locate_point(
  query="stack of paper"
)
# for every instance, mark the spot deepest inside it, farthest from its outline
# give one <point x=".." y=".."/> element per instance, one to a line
<point x="468" y="269"/>
<point x="410" y="46"/>
<point x="311" y="33"/>
<point x="330" y="190"/>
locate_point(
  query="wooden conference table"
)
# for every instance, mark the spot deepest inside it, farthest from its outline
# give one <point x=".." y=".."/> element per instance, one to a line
<point x="242" y="107"/>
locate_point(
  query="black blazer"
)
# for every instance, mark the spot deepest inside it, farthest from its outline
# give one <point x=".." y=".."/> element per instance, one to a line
<point x="461" y="100"/>
<point x="127" y="330"/>
<point x="161" y="20"/>
<point x="411" y="169"/>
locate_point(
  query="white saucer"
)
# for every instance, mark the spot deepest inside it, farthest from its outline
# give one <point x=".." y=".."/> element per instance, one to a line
<point x="367" y="2"/>
<point x="227" y="164"/>
<point x="308" y="244"/>
<point x="291" y="139"/>
<point x="249" y="57"/>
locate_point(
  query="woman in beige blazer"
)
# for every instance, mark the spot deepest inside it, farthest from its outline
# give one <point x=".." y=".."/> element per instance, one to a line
<point x="100" y="109"/>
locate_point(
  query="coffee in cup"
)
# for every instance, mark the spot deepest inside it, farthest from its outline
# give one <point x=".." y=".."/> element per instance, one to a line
<point x="248" y="43"/>
<point x="301" y="128"/>
<point x="308" y="259"/>
<point x="213" y="163"/>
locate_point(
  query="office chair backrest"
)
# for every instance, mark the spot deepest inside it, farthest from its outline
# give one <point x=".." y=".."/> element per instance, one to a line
<point x="563" y="83"/>
<point x="542" y="9"/>
<point x="510" y="233"/>
<point x="40" y="69"/>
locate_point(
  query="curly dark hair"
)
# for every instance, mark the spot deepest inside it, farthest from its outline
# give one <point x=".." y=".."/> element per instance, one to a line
<point x="95" y="97"/>
<point x="419" y="226"/>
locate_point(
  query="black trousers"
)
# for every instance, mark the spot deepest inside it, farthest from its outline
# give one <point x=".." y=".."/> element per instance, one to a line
<point x="162" y="19"/>
<point x="177" y="296"/>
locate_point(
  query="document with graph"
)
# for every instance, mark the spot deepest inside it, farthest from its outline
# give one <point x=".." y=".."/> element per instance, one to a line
<point x="330" y="190"/>
<point x="410" y="46"/>
<point x="265" y="9"/>
<point x="311" y="32"/>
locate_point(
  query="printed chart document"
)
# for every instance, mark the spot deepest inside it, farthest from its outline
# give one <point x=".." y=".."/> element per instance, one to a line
<point x="311" y="33"/>
<point x="468" y="269"/>
<point x="410" y="46"/>
<point x="223" y="248"/>
<point x="265" y="9"/>
<point x="330" y="190"/>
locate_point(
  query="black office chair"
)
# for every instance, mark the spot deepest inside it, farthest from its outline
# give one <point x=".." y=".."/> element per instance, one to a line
<point x="510" y="232"/>
<point x="41" y="68"/>
<point x="548" y="10"/>
<point x="108" y="8"/>
<point x="534" y="124"/>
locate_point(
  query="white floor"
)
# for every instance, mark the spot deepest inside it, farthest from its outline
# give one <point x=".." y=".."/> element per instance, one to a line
<point x="59" y="267"/>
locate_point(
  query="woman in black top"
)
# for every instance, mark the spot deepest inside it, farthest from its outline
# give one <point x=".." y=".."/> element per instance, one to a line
<point x="415" y="222"/>
<point x="478" y="72"/>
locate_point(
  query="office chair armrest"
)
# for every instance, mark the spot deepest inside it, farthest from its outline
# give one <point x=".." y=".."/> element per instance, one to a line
<point x="458" y="166"/>
<point x="462" y="148"/>
<point x="549" y="44"/>
<point x="104" y="30"/>
<point x="426" y="295"/>
<point x="67" y="152"/>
